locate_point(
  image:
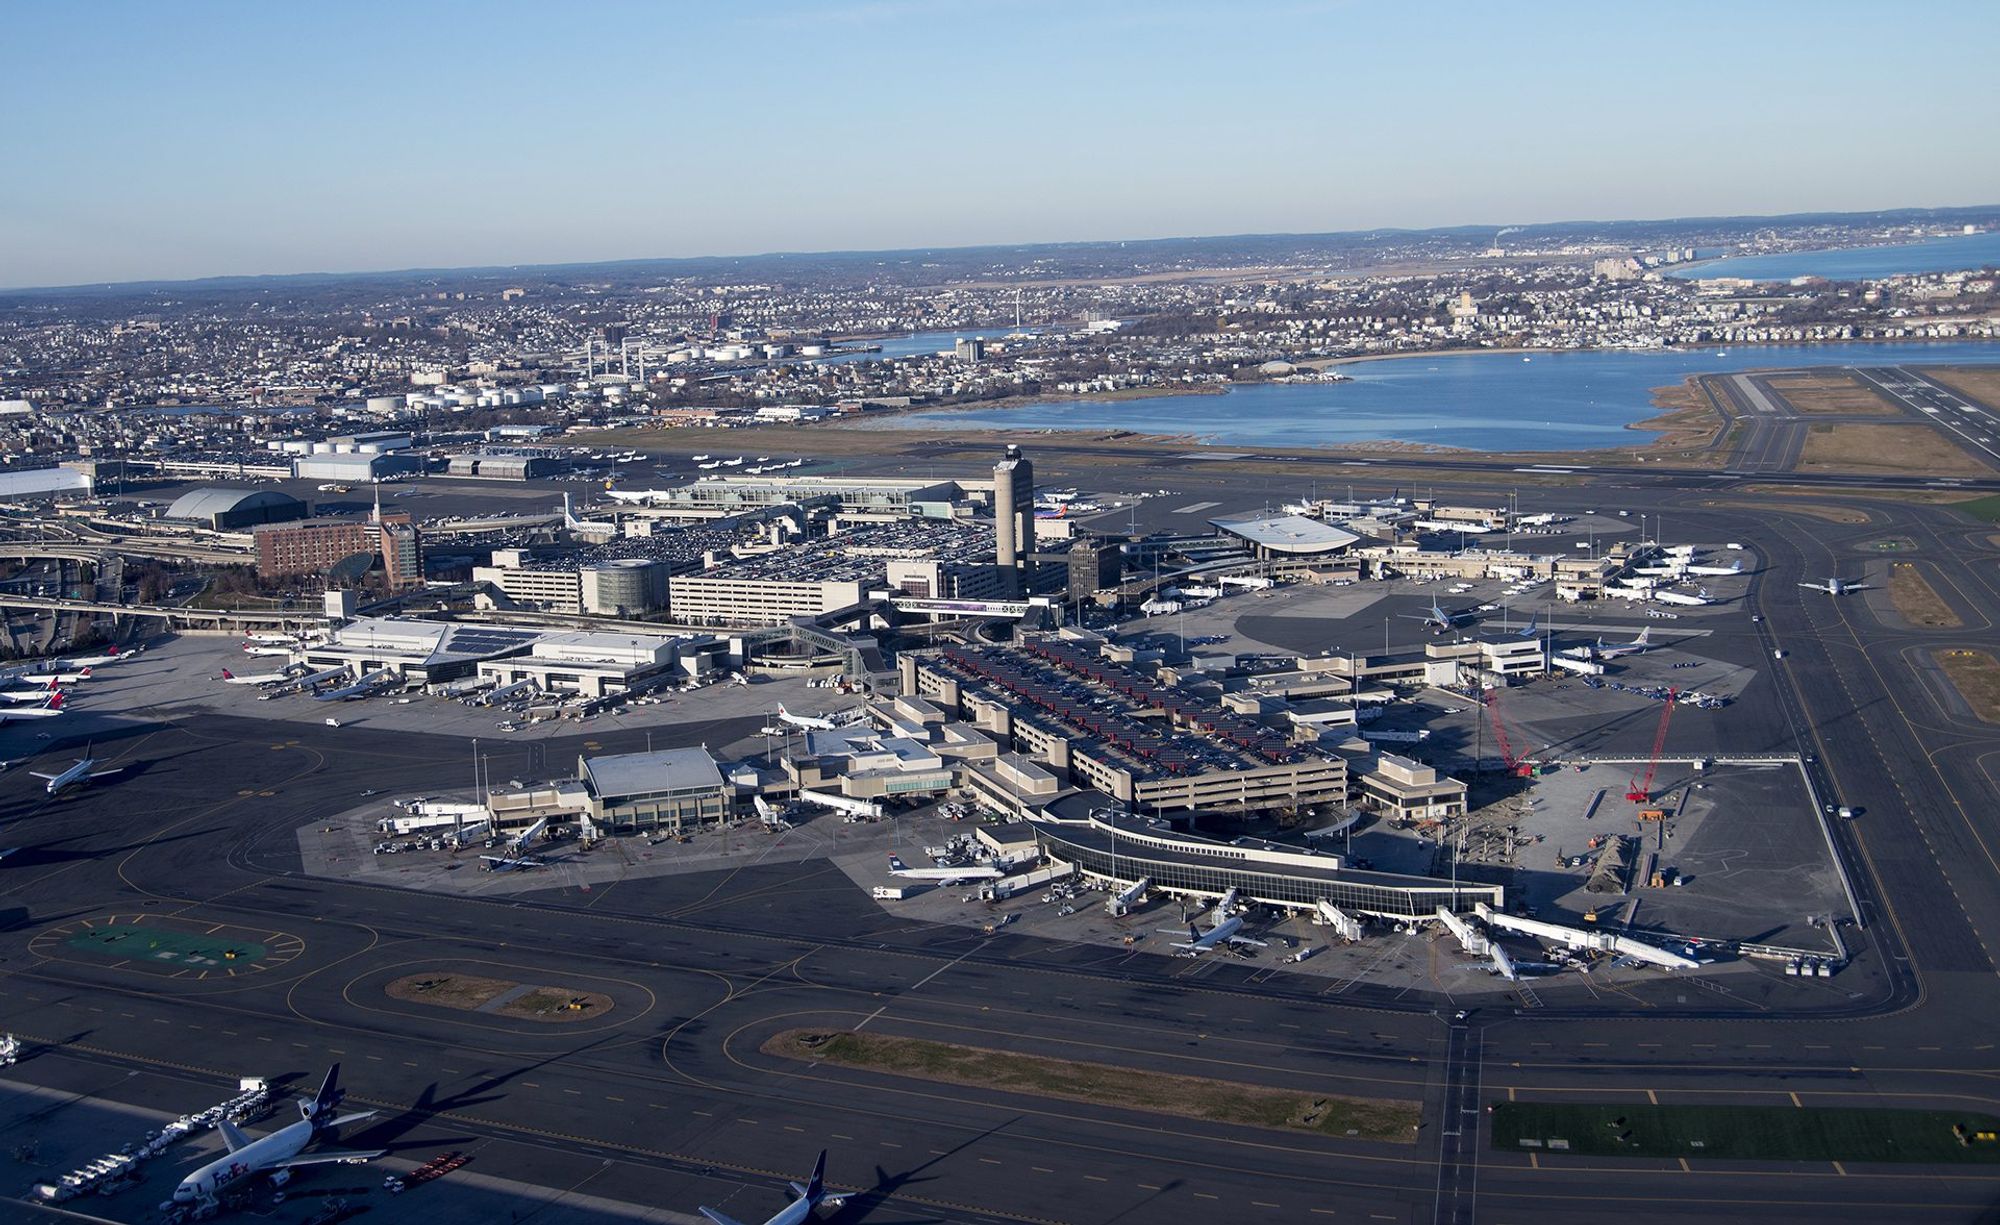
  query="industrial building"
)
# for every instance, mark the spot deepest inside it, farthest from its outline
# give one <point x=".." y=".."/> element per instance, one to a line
<point x="852" y="498"/>
<point x="233" y="510"/>
<point x="1411" y="790"/>
<point x="667" y="792"/>
<point x="511" y="464"/>
<point x="357" y="467"/>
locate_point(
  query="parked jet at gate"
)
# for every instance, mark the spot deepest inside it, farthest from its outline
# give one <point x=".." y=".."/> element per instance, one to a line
<point x="50" y="707"/>
<point x="1222" y="929"/>
<point x="811" y="723"/>
<point x="1835" y="586"/>
<point x="57" y="677"/>
<point x="1638" y="646"/>
<point x="261" y="678"/>
<point x="947" y="875"/>
<point x="809" y="1197"/>
<point x="278" y="1153"/>
<point x="84" y="771"/>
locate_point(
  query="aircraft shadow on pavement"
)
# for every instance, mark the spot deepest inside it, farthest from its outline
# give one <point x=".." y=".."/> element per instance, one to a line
<point x="388" y="1131"/>
<point x="858" y="1206"/>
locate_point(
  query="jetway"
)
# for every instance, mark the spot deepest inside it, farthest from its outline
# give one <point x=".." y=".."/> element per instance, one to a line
<point x="1345" y="924"/>
<point x="1578" y="938"/>
<point x="842" y="803"/>
<point x="524" y="839"/>
<point x="1126" y="899"/>
<point x="466" y="833"/>
<point x="1503" y="965"/>
<point x="1469" y="939"/>
<point x="1582" y="667"/>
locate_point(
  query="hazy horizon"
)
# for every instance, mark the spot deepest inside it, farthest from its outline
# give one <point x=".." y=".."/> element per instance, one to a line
<point x="214" y="140"/>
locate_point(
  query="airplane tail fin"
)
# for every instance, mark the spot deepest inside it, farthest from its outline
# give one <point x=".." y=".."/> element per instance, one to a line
<point x="54" y="702"/>
<point x="1532" y="627"/>
<point x="327" y="1100"/>
<point x="228" y="675"/>
<point x="1193" y="933"/>
<point x="232" y="1137"/>
<point x="896" y="864"/>
<point x="1645" y="636"/>
<point x="817" y="1187"/>
<point x="85" y="674"/>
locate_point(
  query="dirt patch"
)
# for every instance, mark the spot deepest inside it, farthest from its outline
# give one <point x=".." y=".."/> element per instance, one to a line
<point x="499" y="997"/>
<point x="1976" y="676"/>
<point x="1885" y="448"/>
<point x="1832" y="392"/>
<point x="1917" y="601"/>
<point x="1981" y="383"/>
<point x="1190" y="1097"/>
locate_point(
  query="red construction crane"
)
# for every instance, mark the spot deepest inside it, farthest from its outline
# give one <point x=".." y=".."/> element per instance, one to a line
<point x="1515" y="765"/>
<point x="1642" y="792"/>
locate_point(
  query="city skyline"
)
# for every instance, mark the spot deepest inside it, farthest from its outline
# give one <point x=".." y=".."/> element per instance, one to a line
<point x="446" y="137"/>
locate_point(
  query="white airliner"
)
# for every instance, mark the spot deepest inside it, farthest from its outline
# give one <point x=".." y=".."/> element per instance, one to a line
<point x="253" y="649"/>
<point x="278" y="1153"/>
<point x="1675" y="597"/>
<point x="262" y="678"/>
<point x="24" y="696"/>
<point x="1638" y="646"/>
<point x="56" y="678"/>
<point x="359" y="689"/>
<point x="1437" y="618"/>
<point x="1453" y="525"/>
<point x="811" y="723"/>
<point x="508" y="863"/>
<point x="1735" y="567"/>
<point x="808" y="1198"/>
<point x="1835" y="586"/>
<point x="947" y="875"/>
<point x="639" y="497"/>
<point x="1222" y="929"/>
<point x="84" y="771"/>
<point x="50" y="707"/>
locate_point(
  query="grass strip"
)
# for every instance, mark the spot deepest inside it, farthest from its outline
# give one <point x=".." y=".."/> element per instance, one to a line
<point x="1976" y="676"/>
<point x="1188" y="1097"/>
<point x="1752" y="1133"/>
<point x="1917" y="601"/>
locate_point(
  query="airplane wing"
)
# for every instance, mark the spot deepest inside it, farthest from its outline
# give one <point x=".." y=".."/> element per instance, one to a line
<point x="328" y="1156"/>
<point x="1247" y="940"/>
<point x="50" y="777"/>
<point x="107" y="773"/>
<point x="718" y="1218"/>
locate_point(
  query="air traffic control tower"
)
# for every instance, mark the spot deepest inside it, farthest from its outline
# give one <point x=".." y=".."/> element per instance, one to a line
<point x="1014" y="518"/>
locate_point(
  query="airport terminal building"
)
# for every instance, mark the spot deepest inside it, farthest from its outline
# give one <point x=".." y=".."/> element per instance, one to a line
<point x="1126" y="849"/>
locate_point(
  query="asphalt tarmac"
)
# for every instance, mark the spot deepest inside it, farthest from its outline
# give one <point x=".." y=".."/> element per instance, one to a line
<point x="666" y="1101"/>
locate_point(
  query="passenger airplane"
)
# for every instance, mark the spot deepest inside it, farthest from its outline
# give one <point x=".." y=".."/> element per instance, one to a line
<point x="1438" y="618"/>
<point x="262" y="678"/>
<point x="639" y="497"/>
<point x="1223" y="930"/>
<point x="50" y="707"/>
<point x="84" y="771"/>
<point x="809" y="1197"/>
<point x="359" y="689"/>
<point x="1835" y="586"/>
<point x="278" y="1153"/>
<point x="1638" y="646"/>
<point x="811" y="723"/>
<point x="948" y="876"/>
<point x="507" y="863"/>
<point x="57" y="677"/>
<point x="1735" y="567"/>
<point x="42" y="694"/>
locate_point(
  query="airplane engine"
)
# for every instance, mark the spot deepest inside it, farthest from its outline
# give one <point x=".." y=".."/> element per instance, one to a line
<point x="280" y="1177"/>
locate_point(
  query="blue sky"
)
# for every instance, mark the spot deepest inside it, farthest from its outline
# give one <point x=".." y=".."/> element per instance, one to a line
<point x="146" y="140"/>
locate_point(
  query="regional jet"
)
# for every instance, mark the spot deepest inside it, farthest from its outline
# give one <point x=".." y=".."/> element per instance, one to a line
<point x="1222" y="929"/>
<point x="1835" y="586"/>
<point x="508" y="863"/>
<point x="949" y="876"/>
<point x="84" y="771"/>
<point x="278" y="1153"/>
<point x="24" y="696"/>
<point x="809" y="1197"/>
<point x="57" y="677"/>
